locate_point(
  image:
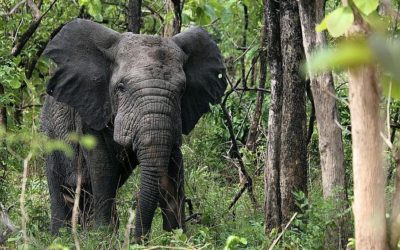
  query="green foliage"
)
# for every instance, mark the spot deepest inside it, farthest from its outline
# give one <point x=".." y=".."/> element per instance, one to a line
<point x="307" y="231"/>
<point x="211" y="179"/>
<point x="234" y="241"/>
<point x="347" y="54"/>
<point x="94" y="8"/>
<point x="366" y="6"/>
<point x="337" y="22"/>
<point x="377" y="48"/>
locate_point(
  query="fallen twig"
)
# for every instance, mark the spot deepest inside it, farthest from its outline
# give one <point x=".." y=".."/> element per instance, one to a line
<point x="283" y="231"/>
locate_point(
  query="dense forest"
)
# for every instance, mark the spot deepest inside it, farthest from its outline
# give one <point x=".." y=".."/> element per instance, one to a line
<point x="299" y="148"/>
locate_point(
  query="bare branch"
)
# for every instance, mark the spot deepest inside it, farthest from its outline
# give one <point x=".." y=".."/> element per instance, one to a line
<point x="35" y="10"/>
<point x="254" y="89"/>
<point x="24" y="215"/>
<point x="15" y="8"/>
<point x="235" y="151"/>
<point x="154" y="12"/>
<point x="75" y="209"/>
<point x="19" y="45"/>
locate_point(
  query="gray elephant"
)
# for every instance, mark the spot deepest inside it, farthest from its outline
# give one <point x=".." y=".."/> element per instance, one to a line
<point x="136" y="94"/>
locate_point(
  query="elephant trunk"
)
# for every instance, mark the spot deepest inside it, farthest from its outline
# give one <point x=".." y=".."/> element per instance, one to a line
<point x="153" y="170"/>
<point x="154" y="144"/>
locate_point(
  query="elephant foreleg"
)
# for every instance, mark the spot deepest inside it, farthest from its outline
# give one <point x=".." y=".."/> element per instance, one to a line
<point x="104" y="177"/>
<point x="60" y="212"/>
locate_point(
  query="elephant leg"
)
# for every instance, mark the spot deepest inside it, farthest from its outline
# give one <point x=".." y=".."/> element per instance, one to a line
<point x="104" y="177"/>
<point x="60" y="212"/>
<point x="172" y="194"/>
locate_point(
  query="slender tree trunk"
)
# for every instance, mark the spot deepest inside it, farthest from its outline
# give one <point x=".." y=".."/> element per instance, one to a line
<point x="244" y="44"/>
<point x="253" y="73"/>
<point x="329" y="134"/>
<point x="174" y="27"/>
<point x="368" y="170"/>
<point x="3" y="111"/>
<point x="253" y="130"/>
<point x="293" y="159"/>
<point x="271" y="170"/>
<point x="369" y="177"/>
<point x="134" y="15"/>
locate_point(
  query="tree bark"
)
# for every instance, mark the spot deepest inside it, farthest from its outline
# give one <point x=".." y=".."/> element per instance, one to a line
<point x="174" y="27"/>
<point x="369" y="177"/>
<point x="329" y="134"/>
<point x="134" y="15"/>
<point x="271" y="169"/>
<point x="293" y="158"/>
<point x="3" y="111"/>
<point x="368" y="170"/>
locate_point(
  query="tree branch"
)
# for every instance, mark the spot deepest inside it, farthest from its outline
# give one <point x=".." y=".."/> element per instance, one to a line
<point x="154" y="12"/>
<point x="19" y="45"/>
<point x="35" y="10"/>
<point x="15" y="8"/>
<point x="312" y="115"/>
<point x="235" y="151"/>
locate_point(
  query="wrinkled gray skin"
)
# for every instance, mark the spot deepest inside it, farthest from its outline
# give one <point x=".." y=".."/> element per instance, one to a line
<point x="136" y="94"/>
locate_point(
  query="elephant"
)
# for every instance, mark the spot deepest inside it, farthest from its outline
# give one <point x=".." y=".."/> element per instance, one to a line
<point x="136" y="94"/>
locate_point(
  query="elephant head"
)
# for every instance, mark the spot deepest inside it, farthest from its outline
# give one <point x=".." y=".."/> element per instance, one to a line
<point x="153" y="89"/>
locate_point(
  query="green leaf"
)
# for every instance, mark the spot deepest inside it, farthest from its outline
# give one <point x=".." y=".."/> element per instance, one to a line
<point x="378" y="23"/>
<point x="55" y="145"/>
<point x="347" y="54"/>
<point x="88" y="141"/>
<point x="366" y="6"/>
<point x="339" y="21"/>
<point x="233" y="241"/>
<point x="209" y="10"/>
<point x="323" y="25"/>
<point x="14" y="83"/>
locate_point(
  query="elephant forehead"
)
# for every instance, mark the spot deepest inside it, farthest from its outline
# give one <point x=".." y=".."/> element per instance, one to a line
<point x="139" y="49"/>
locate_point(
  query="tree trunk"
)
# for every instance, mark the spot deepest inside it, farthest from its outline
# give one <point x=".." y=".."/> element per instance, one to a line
<point x="134" y="14"/>
<point x="244" y="44"/>
<point x="271" y="168"/>
<point x="368" y="170"/>
<point x="253" y="130"/>
<point x="369" y="177"/>
<point x="329" y="134"/>
<point x="3" y="111"/>
<point x="174" y="27"/>
<point x="293" y="159"/>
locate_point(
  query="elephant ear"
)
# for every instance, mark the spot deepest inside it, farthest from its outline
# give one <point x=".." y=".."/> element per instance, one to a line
<point x="205" y="75"/>
<point x="82" y="51"/>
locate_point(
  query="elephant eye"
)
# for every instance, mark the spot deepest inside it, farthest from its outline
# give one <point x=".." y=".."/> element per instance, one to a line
<point x="120" y="87"/>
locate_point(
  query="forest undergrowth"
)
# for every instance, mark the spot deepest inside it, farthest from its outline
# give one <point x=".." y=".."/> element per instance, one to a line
<point x="211" y="183"/>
